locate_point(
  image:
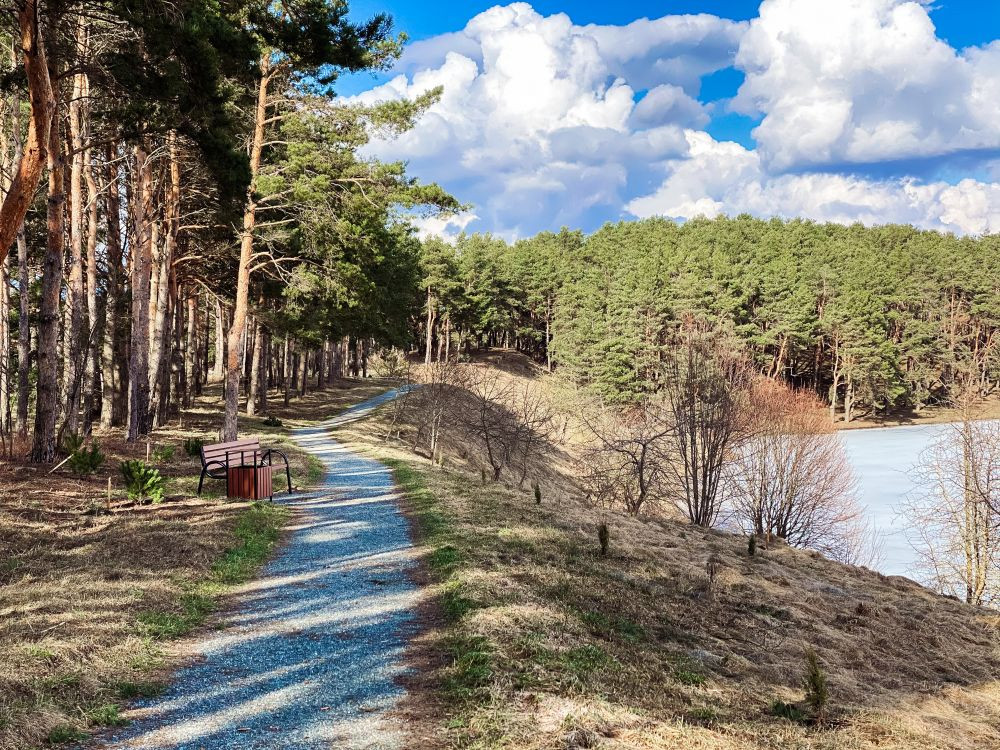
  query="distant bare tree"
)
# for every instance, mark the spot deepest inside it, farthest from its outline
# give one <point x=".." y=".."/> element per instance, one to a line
<point x="705" y="382"/>
<point x="433" y="404"/>
<point x="627" y="463"/>
<point x="486" y="416"/>
<point x="954" y="516"/>
<point x="534" y="422"/>
<point x="790" y="477"/>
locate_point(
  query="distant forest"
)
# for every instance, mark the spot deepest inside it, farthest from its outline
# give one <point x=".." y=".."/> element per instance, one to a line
<point x="871" y="319"/>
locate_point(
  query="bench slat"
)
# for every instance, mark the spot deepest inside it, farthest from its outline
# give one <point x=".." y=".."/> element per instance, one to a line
<point x="219" y="450"/>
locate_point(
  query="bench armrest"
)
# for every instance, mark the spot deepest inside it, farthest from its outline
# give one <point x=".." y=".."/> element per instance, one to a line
<point x="269" y="455"/>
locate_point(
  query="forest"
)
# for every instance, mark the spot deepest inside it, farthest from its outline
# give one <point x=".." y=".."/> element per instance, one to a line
<point x="871" y="319"/>
<point x="204" y="210"/>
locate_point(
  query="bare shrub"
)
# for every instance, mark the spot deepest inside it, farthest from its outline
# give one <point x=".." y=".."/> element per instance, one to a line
<point x="534" y="423"/>
<point x="432" y="405"/>
<point x="705" y="382"/>
<point x="954" y="516"/>
<point x="486" y="417"/>
<point x="626" y="464"/>
<point x="790" y="477"/>
<point x="400" y="409"/>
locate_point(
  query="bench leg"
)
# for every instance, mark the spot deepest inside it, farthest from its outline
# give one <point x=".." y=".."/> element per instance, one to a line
<point x="288" y="476"/>
<point x="201" y="481"/>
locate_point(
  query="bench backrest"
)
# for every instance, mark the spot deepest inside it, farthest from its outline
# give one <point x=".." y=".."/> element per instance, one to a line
<point x="218" y="451"/>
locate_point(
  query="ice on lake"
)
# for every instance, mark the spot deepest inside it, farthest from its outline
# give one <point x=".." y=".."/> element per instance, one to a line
<point x="883" y="461"/>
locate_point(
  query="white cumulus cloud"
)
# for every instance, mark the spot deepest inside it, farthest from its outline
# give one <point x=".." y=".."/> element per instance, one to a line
<point x="545" y="123"/>
<point x="863" y="81"/>
<point x="725" y="178"/>
<point x="542" y="120"/>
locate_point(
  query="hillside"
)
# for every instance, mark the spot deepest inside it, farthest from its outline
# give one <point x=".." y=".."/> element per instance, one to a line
<point x="676" y="638"/>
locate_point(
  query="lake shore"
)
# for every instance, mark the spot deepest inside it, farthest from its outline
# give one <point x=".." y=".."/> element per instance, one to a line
<point x="989" y="409"/>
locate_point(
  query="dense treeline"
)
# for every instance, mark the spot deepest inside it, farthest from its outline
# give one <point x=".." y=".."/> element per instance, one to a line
<point x="871" y="319"/>
<point x="183" y="201"/>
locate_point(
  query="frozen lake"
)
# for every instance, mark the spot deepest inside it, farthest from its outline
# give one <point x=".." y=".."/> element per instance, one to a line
<point x="883" y="461"/>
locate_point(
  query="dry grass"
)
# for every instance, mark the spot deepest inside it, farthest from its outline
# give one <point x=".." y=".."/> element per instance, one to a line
<point x="547" y="644"/>
<point x="91" y="591"/>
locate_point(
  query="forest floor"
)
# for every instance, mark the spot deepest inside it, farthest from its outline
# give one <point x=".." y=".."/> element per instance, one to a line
<point x="989" y="409"/>
<point x="677" y="638"/>
<point x="93" y="592"/>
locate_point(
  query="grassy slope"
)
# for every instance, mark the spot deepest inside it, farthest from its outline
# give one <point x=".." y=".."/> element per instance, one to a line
<point x="89" y="593"/>
<point x="545" y="643"/>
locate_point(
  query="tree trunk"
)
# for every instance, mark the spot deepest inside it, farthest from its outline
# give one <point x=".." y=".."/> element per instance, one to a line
<point x="23" y="335"/>
<point x="142" y="260"/>
<point x="113" y="360"/>
<point x="73" y="340"/>
<point x="253" y="401"/>
<point x="191" y="349"/>
<point x="218" y="367"/>
<point x="430" y="327"/>
<point x="5" y="358"/>
<point x="42" y="107"/>
<point x="178" y="374"/>
<point x="321" y="365"/>
<point x="43" y="449"/>
<point x="91" y="384"/>
<point x="286" y="364"/>
<point x="238" y="327"/>
<point x="304" y="374"/>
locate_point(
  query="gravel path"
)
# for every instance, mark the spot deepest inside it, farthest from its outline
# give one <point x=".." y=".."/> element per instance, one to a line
<point x="308" y="656"/>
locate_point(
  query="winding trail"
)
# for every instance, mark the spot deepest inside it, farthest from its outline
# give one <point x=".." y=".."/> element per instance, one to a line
<point x="308" y="656"/>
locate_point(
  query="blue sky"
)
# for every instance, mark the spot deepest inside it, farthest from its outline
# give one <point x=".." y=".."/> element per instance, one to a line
<point x="854" y="110"/>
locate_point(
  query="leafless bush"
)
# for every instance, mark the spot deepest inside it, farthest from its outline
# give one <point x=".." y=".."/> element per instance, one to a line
<point x="790" y="477"/>
<point x="486" y="417"/>
<point x="705" y="383"/>
<point x="433" y="405"/>
<point x="627" y="462"/>
<point x="401" y="407"/>
<point x="534" y="424"/>
<point x="954" y="516"/>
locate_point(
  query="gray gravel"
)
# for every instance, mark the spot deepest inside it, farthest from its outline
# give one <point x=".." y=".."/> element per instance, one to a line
<point x="309" y="655"/>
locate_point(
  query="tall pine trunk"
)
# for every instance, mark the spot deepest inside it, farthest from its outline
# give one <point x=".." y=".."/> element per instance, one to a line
<point x="23" y="335"/>
<point x="191" y="349"/>
<point x="238" y="327"/>
<point x="91" y="384"/>
<point x="73" y="339"/>
<point x="42" y="109"/>
<point x="43" y="448"/>
<point x="253" y="401"/>
<point x="5" y="351"/>
<point x="219" y="366"/>
<point x="142" y="261"/>
<point x="114" y="367"/>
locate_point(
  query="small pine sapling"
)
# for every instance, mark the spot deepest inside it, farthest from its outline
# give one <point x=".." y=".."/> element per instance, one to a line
<point x="817" y="692"/>
<point x="752" y="545"/>
<point x="538" y="494"/>
<point x="604" y="537"/>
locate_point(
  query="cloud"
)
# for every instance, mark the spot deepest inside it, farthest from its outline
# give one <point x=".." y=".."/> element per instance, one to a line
<point x="725" y="178"/>
<point x="545" y="123"/>
<point x="863" y="81"/>
<point x="539" y="121"/>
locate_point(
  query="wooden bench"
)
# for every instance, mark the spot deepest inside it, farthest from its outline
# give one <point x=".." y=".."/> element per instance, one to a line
<point x="216" y="459"/>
